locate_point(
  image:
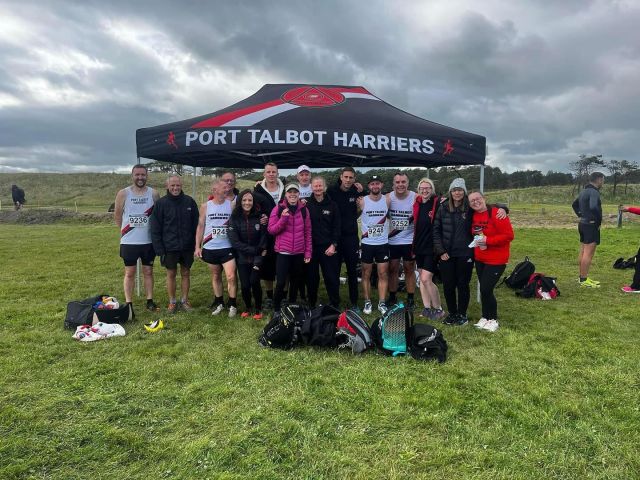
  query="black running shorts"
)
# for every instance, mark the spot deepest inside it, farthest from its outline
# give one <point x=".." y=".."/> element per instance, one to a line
<point x="131" y="253"/>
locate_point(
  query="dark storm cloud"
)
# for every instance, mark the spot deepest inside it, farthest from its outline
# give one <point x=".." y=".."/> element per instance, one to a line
<point x="544" y="81"/>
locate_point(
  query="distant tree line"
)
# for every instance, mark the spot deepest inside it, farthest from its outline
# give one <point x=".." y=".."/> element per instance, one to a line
<point x="620" y="172"/>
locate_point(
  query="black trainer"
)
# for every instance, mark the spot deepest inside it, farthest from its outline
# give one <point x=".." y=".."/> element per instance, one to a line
<point x="450" y="319"/>
<point x="152" y="307"/>
<point x="461" y="320"/>
<point x="411" y="304"/>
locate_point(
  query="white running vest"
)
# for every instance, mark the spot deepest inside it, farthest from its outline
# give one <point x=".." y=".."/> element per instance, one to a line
<point x="134" y="229"/>
<point x="401" y="219"/>
<point x="216" y="226"/>
<point x="375" y="228"/>
<point x="305" y="192"/>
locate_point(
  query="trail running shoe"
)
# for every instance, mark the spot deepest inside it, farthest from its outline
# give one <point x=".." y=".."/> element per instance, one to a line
<point x="437" y="313"/>
<point x="257" y="316"/>
<point x="368" y="307"/>
<point x="245" y="315"/>
<point x="491" y="326"/>
<point x="426" y="313"/>
<point x="382" y="308"/>
<point x="481" y="323"/>
<point x="628" y="289"/>
<point x="152" y="307"/>
<point x="186" y="306"/>
<point x="172" y="308"/>
<point x="233" y="311"/>
<point x="218" y="309"/>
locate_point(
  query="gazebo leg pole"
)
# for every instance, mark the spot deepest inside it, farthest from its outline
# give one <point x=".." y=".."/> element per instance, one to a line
<point x="481" y="191"/>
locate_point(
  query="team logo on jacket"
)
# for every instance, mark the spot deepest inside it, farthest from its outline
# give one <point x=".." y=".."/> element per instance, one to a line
<point x="257" y="226"/>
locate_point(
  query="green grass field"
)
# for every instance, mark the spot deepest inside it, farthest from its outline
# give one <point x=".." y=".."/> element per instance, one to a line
<point x="553" y="394"/>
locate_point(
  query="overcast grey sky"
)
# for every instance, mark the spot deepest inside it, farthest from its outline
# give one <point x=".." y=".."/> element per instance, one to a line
<point x="543" y="80"/>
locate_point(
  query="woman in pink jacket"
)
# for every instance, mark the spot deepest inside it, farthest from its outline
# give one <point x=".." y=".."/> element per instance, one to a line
<point x="635" y="285"/>
<point x="290" y="224"/>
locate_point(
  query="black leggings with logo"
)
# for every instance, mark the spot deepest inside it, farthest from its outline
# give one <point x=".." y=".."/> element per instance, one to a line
<point x="456" y="275"/>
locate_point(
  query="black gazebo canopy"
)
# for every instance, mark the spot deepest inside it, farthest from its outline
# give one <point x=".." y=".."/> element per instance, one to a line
<point x="322" y="126"/>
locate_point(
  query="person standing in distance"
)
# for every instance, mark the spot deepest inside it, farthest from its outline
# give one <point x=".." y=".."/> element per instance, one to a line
<point x="213" y="246"/>
<point x="174" y="221"/>
<point x="304" y="182"/>
<point x="375" y="243"/>
<point x="589" y="208"/>
<point x="132" y="210"/>
<point x="345" y="193"/>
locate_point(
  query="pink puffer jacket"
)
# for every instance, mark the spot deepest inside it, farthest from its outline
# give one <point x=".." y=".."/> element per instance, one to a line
<point x="292" y="232"/>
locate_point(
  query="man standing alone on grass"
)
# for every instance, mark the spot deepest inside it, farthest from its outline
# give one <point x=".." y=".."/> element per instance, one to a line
<point x="173" y="231"/>
<point x="133" y="207"/>
<point x="589" y="208"/>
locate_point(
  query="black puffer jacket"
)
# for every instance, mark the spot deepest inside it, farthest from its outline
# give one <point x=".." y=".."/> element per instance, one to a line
<point x="248" y="237"/>
<point x="452" y="231"/>
<point x="173" y="224"/>
<point x="325" y="222"/>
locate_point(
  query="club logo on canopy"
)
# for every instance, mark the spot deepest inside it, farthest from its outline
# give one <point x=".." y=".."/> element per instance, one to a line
<point x="313" y="96"/>
<point x="448" y="148"/>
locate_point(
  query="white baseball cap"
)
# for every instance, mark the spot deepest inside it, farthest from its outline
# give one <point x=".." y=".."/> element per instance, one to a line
<point x="303" y="168"/>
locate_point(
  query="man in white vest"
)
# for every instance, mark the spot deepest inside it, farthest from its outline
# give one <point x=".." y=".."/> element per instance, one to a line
<point x="132" y="210"/>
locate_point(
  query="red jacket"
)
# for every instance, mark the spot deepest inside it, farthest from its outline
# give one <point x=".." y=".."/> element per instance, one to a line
<point x="499" y="234"/>
<point x="635" y="210"/>
<point x="292" y="232"/>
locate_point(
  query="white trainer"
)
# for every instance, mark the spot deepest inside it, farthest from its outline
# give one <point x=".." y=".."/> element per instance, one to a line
<point x="368" y="307"/>
<point x="218" y="309"/>
<point x="232" y="311"/>
<point x="491" y="325"/>
<point x="481" y="323"/>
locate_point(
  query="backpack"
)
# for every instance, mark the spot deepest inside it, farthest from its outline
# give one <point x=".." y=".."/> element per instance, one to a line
<point x="353" y="332"/>
<point x="81" y="312"/>
<point x="391" y="331"/>
<point x="621" y="263"/>
<point x="319" y="327"/>
<point x="540" y="286"/>
<point x="520" y="275"/>
<point x="427" y="343"/>
<point x="283" y="329"/>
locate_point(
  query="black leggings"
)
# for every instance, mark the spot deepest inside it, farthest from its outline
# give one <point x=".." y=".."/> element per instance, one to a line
<point x="488" y="276"/>
<point x="287" y="266"/>
<point x="330" y="272"/>
<point x="455" y="274"/>
<point x="250" y="282"/>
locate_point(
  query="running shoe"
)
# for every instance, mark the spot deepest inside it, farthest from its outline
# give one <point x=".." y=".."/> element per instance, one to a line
<point x="172" y="308"/>
<point x="218" y="309"/>
<point x="368" y="307"/>
<point x="481" y="323"/>
<point x="258" y="316"/>
<point x="437" y="313"/>
<point x="232" y="311"/>
<point x="245" y="315"/>
<point x="628" y="289"/>
<point x="354" y="308"/>
<point x="186" y="306"/>
<point x="491" y="326"/>
<point x="382" y="308"/>
<point x="426" y="313"/>
<point x="588" y="283"/>
<point x="154" y="326"/>
<point x="152" y="306"/>
<point x="450" y="319"/>
<point x="461" y="320"/>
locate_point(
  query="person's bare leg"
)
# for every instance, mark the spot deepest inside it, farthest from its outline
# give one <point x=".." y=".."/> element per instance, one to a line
<point x="230" y="273"/>
<point x="147" y="273"/>
<point x="586" y="257"/>
<point x="129" y="282"/>
<point x="185" y="282"/>
<point x="383" y="281"/>
<point x="366" y="280"/>
<point x="171" y="284"/>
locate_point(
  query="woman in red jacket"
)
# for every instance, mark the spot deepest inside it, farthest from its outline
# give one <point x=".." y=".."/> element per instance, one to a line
<point x="492" y="239"/>
<point x="635" y="285"/>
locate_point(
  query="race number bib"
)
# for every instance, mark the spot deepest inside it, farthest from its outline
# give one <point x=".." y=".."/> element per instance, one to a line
<point x="139" y="221"/>
<point x="400" y="223"/>
<point x="219" y="232"/>
<point x="375" y="230"/>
